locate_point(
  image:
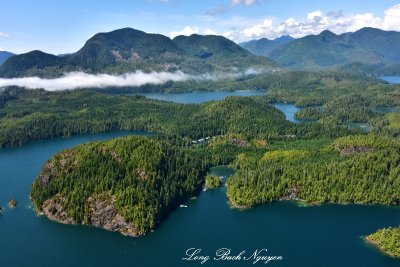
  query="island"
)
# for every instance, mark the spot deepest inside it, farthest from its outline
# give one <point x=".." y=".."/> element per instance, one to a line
<point x="387" y="240"/>
<point x="213" y="181"/>
<point x="12" y="203"/>
<point x="126" y="185"/>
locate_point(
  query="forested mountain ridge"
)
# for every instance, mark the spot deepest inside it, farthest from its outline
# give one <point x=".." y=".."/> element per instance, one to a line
<point x="370" y="46"/>
<point x="4" y="55"/>
<point x="33" y="63"/>
<point x="351" y="169"/>
<point x="264" y="46"/>
<point x="127" y="50"/>
<point x="29" y="115"/>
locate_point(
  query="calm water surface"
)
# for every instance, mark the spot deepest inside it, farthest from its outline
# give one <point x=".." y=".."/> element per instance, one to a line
<point x="327" y="235"/>
<point x="391" y="79"/>
<point x="289" y="109"/>
<point x="201" y="97"/>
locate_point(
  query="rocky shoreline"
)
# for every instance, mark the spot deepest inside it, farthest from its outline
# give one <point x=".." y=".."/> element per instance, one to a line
<point x="101" y="213"/>
<point x="378" y="247"/>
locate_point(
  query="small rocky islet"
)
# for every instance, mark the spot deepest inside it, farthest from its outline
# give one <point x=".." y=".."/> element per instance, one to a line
<point x="12" y="203"/>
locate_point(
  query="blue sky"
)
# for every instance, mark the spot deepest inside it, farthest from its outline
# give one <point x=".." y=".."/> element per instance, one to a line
<point x="63" y="26"/>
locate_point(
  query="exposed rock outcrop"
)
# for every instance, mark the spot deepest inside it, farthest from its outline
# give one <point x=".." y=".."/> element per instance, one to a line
<point x="53" y="208"/>
<point x="104" y="214"/>
<point x="101" y="212"/>
<point x="13" y="203"/>
<point x="240" y="142"/>
<point x="350" y="150"/>
<point x="292" y="194"/>
<point x="48" y="172"/>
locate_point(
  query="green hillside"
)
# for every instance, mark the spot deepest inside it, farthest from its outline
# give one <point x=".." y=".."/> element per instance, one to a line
<point x="4" y="55"/>
<point x="368" y="46"/>
<point x="264" y="46"/>
<point x="127" y="50"/>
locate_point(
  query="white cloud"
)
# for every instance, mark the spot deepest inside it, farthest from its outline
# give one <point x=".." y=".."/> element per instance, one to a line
<point x="392" y="18"/>
<point x="244" y="2"/>
<point x="185" y="31"/>
<point x="76" y="80"/>
<point x="312" y="15"/>
<point x="316" y="22"/>
<point x="4" y="35"/>
<point x="79" y="80"/>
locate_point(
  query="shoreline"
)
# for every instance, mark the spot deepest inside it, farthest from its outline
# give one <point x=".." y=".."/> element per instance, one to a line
<point x="378" y="247"/>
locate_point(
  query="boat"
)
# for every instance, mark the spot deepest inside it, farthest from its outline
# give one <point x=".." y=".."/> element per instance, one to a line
<point x="183" y="206"/>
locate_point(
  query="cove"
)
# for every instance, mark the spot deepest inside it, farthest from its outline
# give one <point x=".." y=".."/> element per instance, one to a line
<point x="289" y="109"/>
<point x="327" y="235"/>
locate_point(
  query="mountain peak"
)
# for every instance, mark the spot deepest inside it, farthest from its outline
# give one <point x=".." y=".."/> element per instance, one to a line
<point x="284" y="39"/>
<point x="206" y="46"/>
<point x="327" y="33"/>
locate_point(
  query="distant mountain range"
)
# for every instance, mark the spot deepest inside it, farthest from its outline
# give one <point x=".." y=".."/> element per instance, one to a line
<point x="263" y="46"/>
<point x="4" y="55"/>
<point x="367" y="51"/>
<point x="372" y="49"/>
<point x="127" y="50"/>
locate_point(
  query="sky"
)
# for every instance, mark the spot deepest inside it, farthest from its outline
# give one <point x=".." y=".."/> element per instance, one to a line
<point x="59" y="27"/>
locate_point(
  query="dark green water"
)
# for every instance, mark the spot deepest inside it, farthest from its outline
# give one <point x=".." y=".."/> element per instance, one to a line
<point x="327" y="235"/>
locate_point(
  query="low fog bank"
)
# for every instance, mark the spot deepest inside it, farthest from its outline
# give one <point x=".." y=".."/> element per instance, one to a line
<point x="79" y="80"/>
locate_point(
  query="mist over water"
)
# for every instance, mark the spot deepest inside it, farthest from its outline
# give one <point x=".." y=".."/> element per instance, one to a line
<point x="79" y="80"/>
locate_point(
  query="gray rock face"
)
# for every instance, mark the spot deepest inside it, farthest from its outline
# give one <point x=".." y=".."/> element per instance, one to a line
<point x="101" y="212"/>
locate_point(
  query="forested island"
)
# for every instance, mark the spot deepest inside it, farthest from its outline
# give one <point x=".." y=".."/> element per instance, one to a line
<point x="126" y="185"/>
<point x="387" y="240"/>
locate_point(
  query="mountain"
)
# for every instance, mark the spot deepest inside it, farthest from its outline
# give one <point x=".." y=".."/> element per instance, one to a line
<point x="369" y="46"/>
<point x="264" y="46"/>
<point x="128" y="46"/>
<point x="4" y="55"/>
<point x="207" y="46"/>
<point x="32" y="63"/>
<point x="217" y="53"/>
<point x="126" y="50"/>
<point x="284" y="39"/>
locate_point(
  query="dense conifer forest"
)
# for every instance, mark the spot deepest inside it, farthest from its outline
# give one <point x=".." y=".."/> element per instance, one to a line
<point x="320" y="160"/>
